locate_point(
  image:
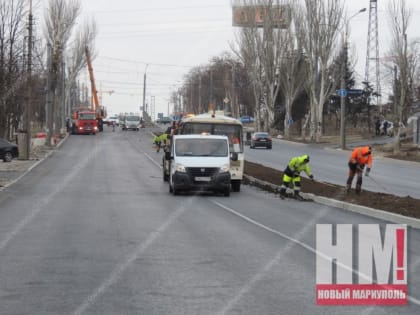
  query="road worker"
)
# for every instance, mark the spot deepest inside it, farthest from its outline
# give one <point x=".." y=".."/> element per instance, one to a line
<point x="157" y="141"/>
<point x="291" y="176"/>
<point x="164" y="140"/>
<point x="359" y="157"/>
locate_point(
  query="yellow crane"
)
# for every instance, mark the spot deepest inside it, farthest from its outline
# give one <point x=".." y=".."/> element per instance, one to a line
<point x="96" y="107"/>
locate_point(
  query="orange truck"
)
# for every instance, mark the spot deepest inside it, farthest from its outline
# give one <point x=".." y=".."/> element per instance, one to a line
<point x="84" y="122"/>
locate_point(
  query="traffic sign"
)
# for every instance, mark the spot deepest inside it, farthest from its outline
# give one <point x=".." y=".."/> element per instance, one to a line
<point x="355" y="92"/>
<point x="342" y="92"/>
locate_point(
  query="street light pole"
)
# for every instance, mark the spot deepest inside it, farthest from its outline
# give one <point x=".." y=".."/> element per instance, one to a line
<point x="343" y="88"/>
<point x="144" y="91"/>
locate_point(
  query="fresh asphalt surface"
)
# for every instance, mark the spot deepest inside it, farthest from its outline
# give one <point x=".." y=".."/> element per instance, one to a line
<point x="93" y="230"/>
<point x="390" y="176"/>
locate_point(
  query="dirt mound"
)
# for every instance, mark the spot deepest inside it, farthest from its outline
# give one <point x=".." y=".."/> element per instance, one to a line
<point x="402" y="205"/>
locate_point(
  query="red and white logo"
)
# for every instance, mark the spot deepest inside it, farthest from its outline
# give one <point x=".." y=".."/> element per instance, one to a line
<point x="362" y="264"/>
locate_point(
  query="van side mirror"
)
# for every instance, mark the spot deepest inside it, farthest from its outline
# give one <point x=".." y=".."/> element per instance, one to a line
<point x="234" y="156"/>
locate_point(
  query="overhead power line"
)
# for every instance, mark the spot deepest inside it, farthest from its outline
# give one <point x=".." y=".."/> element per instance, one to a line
<point x="145" y="62"/>
<point x="161" y="9"/>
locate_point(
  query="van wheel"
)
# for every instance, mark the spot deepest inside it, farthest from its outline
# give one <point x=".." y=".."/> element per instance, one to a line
<point x="226" y="192"/>
<point x="8" y="157"/>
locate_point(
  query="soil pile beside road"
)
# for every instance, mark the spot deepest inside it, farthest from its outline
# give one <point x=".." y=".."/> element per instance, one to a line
<point x="402" y="205"/>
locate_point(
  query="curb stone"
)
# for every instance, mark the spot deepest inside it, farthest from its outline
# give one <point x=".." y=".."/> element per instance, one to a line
<point x="376" y="213"/>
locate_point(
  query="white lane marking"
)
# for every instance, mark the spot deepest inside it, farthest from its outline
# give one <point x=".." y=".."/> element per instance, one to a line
<point x="293" y="240"/>
<point x="119" y="269"/>
<point x="41" y="205"/>
<point x="147" y="155"/>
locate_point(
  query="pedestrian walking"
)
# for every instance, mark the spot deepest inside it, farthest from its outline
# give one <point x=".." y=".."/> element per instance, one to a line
<point x="359" y="157"/>
<point x="291" y="176"/>
<point x="378" y="127"/>
<point x="385" y="127"/>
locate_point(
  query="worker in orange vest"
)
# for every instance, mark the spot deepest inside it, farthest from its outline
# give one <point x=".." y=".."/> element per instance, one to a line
<point x="360" y="157"/>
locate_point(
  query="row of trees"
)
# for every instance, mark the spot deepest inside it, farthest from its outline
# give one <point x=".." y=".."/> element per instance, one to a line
<point x="294" y="72"/>
<point x="54" y="63"/>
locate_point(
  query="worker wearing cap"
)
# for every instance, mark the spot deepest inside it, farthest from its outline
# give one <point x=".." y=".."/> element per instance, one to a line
<point x="291" y="176"/>
<point x="359" y="157"/>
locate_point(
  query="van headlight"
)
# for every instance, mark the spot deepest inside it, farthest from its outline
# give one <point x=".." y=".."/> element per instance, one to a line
<point x="180" y="168"/>
<point x="225" y="168"/>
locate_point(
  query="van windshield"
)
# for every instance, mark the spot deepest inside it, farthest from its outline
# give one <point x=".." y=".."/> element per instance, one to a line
<point x="232" y="131"/>
<point x="201" y="147"/>
<point x="132" y="118"/>
<point x="87" y="116"/>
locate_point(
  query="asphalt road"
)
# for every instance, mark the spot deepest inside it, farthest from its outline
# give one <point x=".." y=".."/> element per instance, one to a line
<point x="93" y="230"/>
<point x="390" y="176"/>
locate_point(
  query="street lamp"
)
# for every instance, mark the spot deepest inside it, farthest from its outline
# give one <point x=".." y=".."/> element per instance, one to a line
<point x="343" y="90"/>
<point x="144" y="92"/>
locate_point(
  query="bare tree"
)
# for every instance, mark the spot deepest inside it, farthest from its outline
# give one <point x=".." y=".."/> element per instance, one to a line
<point x="263" y="48"/>
<point x="317" y="31"/>
<point x="76" y="60"/>
<point x="248" y="53"/>
<point x="399" y="18"/>
<point x="60" y="19"/>
<point x="293" y="72"/>
<point x="12" y="78"/>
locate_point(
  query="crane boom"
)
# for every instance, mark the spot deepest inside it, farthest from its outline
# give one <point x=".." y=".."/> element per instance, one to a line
<point x="99" y="110"/>
<point x="92" y="81"/>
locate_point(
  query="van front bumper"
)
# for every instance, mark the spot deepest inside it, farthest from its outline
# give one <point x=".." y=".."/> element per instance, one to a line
<point x="216" y="182"/>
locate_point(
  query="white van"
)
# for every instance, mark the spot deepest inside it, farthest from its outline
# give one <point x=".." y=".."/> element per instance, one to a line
<point x="199" y="162"/>
<point x="132" y="122"/>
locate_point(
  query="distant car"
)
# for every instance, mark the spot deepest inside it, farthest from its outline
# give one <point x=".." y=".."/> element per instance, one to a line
<point x="8" y="150"/>
<point x="132" y="122"/>
<point x="246" y="119"/>
<point x="113" y="121"/>
<point x="261" y="139"/>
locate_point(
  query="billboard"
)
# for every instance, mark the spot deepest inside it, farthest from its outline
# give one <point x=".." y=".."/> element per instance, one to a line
<point x="248" y="15"/>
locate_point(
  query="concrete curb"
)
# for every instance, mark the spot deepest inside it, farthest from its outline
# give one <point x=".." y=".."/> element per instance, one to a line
<point x="376" y="213"/>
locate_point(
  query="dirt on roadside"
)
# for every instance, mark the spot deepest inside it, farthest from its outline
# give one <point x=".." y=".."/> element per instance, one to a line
<point x="407" y="206"/>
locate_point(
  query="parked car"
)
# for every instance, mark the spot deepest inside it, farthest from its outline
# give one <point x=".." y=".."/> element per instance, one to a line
<point x="261" y="139"/>
<point x="8" y="150"/>
<point x="246" y="119"/>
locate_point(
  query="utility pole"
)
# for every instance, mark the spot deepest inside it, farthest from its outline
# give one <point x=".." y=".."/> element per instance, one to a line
<point x="63" y="97"/>
<point x="144" y="92"/>
<point x="343" y="94"/>
<point x="49" y="109"/>
<point x="25" y="154"/>
<point x="191" y="109"/>
<point x="211" y="107"/>
<point x="200" y="106"/>
<point x="343" y="87"/>
<point x="232" y="101"/>
<point x="372" y="51"/>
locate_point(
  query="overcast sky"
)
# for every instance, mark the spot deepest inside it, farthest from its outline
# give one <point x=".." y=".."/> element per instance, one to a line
<point x="166" y="38"/>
